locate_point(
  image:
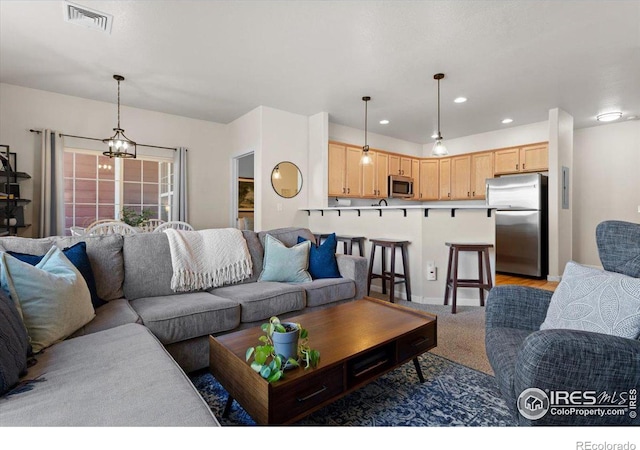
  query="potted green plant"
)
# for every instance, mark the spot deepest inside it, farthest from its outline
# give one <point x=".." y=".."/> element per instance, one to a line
<point x="284" y="345"/>
<point x="131" y="217"/>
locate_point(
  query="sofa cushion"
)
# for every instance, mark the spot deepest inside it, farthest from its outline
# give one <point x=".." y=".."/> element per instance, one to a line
<point x="117" y="377"/>
<point x="105" y="254"/>
<point x="262" y="300"/>
<point x="256" y="250"/>
<point x="591" y="299"/>
<point x="77" y="254"/>
<point x="174" y="318"/>
<point x="322" y="258"/>
<point x="113" y="314"/>
<point x="52" y="297"/>
<point x="503" y="346"/>
<point x="619" y="246"/>
<point x="285" y="264"/>
<point x="329" y="290"/>
<point x="147" y="265"/>
<point x="288" y="236"/>
<point x="26" y="245"/>
<point x="14" y="344"/>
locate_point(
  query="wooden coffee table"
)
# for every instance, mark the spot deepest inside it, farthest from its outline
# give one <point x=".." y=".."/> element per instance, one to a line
<point x="358" y="342"/>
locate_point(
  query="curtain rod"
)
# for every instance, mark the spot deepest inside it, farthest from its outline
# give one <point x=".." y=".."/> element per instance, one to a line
<point x="96" y="139"/>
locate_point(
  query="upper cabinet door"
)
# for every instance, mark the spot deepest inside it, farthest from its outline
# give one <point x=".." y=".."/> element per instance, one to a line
<point x="507" y="160"/>
<point x="415" y="174"/>
<point x="369" y="181"/>
<point x="460" y="177"/>
<point x="445" y="179"/>
<point x="382" y="175"/>
<point x="405" y="167"/>
<point x="534" y="158"/>
<point x="394" y="165"/>
<point x="429" y="179"/>
<point x="337" y="166"/>
<point x="353" y="172"/>
<point x="481" y="169"/>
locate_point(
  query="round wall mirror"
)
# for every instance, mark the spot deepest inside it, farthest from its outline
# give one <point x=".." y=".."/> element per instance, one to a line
<point x="286" y="179"/>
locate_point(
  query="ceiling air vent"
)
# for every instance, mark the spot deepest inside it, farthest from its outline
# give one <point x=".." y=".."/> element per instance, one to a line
<point x="87" y="17"/>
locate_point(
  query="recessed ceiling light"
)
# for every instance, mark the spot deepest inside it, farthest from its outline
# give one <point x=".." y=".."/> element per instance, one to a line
<point x="507" y="120"/>
<point x="460" y="99"/>
<point x="434" y="135"/>
<point x="384" y="122"/>
<point x="609" y="117"/>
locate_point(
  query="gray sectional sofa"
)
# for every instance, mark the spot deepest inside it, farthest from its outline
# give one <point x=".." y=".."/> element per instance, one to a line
<point x="127" y="366"/>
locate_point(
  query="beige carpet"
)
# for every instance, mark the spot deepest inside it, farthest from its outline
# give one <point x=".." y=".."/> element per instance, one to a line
<point x="460" y="335"/>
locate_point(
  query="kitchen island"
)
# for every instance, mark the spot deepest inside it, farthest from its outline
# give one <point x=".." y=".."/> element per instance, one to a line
<point x="427" y="228"/>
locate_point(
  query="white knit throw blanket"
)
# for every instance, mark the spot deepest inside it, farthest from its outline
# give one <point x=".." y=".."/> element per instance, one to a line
<point x="208" y="258"/>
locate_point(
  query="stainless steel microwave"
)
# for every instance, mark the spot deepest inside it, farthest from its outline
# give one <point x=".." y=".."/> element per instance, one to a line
<point x="400" y="187"/>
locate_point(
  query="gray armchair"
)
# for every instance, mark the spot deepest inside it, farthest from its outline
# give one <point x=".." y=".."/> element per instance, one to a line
<point x="523" y="356"/>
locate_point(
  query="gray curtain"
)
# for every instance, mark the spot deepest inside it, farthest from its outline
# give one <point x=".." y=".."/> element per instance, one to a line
<point x="52" y="185"/>
<point x="179" y="208"/>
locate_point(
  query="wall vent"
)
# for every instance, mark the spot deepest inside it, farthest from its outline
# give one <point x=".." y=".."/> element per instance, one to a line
<point x="87" y="17"/>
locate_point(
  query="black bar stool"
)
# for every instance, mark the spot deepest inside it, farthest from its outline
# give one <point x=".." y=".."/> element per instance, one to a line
<point x="453" y="283"/>
<point x="347" y="242"/>
<point x="390" y="275"/>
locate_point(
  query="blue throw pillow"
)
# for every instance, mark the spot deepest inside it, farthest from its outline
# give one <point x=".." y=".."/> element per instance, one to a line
<point x="77" y="254"/>
<point x="14" y="344"/>
<point x="322" y="259"/>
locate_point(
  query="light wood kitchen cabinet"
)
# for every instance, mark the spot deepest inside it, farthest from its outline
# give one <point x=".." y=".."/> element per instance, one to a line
<point x="415" y="174"/>
<point x="374" y="176"/>
<point x="429" y="179"/>
<point x="534" y="158"/>
<point x="345" y="173"/>
<point x="461" y="177"/>
<point x="400" y="165"/>
<point x="444" y="179"/>
<point x="529" y="158"/>
<point x="481" y="169"/>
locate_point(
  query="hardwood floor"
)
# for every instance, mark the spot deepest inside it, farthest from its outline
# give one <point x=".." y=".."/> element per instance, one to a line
<point x="502" y="278"/>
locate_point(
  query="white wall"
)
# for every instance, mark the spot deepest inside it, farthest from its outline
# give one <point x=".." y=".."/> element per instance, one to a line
<point x="22" y="108"/>
<point x="285" y="137"/>
<point x="507" y="137"/>
<point x="560" y="219"/>
<point x="355" y="136"/>
<point x="318" y="175"/>
<point x="606" y="182"/>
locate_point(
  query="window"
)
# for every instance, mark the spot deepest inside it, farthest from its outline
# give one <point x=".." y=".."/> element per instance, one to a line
<point x="97" y="187"/>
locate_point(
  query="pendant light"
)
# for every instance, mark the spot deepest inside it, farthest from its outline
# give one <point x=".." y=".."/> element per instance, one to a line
<point x="438" y="148"/>
<point x="366" y="157"/>
<point x="120" y="146"/>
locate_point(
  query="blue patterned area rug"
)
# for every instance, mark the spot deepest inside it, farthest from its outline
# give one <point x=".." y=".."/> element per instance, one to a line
<point x="452" y="395"/>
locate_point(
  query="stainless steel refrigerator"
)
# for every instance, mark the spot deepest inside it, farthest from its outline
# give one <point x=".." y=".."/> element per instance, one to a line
<point x="521" y="223"/>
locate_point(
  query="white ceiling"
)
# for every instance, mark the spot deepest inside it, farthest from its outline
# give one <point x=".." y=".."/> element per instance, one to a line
<point x="217" y="60"/>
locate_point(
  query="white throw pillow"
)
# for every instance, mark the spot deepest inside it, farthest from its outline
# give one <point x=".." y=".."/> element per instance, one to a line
<point x="595" y="300"/>
<point x="52" y="297"/>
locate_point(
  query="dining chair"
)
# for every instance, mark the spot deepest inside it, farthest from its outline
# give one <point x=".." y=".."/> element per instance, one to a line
<point x="150" y="225"/>
<point x="175" y="224"/>
<point x="115" y="227"/>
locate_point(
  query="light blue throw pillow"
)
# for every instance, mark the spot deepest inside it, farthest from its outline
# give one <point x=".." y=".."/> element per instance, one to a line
<point x="595" y="300"/>
<point x="52" y="297"/>
<point x="284" y="264"/>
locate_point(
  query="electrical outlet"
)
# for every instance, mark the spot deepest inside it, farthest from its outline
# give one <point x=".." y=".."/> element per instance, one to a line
<point x="431" y="271"/>
<point x="639" y="208"/>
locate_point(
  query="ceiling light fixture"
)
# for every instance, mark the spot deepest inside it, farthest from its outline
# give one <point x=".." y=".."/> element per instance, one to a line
<point x="366" y="157"/>
<point x="120" y="146"/>
<point x="384" y="122"/>
<point x="434" y="135"/>
<point x="507" y="120"/>
<point x="609" y="117"/>
<point x="460" y="100"/>
<point x="632" y="117"/>
<point x="438" y="148"/>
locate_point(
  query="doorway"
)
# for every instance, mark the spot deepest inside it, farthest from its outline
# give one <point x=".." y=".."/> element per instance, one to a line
<point x="243" y="192"/>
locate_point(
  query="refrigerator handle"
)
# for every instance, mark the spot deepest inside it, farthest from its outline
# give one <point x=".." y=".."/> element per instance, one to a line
<point x="486" y="193"/>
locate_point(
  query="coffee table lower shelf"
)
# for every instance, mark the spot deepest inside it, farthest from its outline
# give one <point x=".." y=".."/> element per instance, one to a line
<point x="391" y="336"/>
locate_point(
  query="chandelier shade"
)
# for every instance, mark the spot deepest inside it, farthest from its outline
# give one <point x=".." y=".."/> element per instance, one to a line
<point x="120" y="146"/>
